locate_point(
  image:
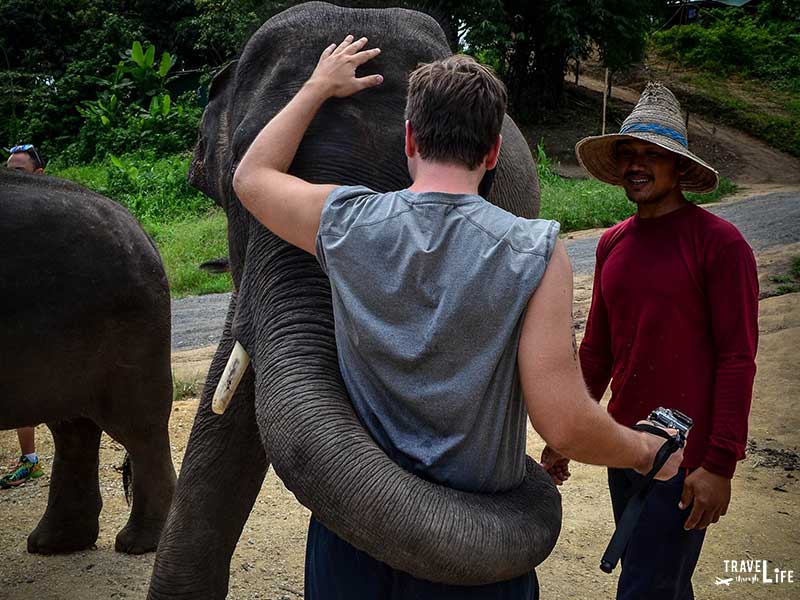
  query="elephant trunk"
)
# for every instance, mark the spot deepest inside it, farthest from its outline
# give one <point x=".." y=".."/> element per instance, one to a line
<point x="224" y="453"/>
<point x="325" y="457"/>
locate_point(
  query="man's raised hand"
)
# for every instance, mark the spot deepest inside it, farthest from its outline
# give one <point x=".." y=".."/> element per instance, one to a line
<point x="335" y="73"/>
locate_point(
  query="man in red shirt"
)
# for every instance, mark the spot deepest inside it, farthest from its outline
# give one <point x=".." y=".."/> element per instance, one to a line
<point x="673" y="322"/>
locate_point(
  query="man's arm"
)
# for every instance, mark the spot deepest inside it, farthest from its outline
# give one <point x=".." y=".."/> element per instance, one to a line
<point x="596" y="360"/>
<point x="734" y="326"/>
<point x="559" y="406"/>
<point x="287" y="205"/>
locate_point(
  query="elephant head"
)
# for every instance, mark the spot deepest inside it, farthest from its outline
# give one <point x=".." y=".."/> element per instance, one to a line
<point x="291" y="408"/>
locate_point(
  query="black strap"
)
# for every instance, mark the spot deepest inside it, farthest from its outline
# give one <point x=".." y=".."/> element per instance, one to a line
<point x="630" y="516"/>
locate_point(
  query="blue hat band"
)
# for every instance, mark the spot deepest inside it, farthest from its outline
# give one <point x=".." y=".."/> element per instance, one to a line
<point x="653" y="128"/>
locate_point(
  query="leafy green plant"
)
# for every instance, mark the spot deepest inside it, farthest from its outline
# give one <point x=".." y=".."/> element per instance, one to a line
<point x="789" y="282"/>
<point x="134" y="109"/>
<point x="544" y="165"/>
<point x="153" y="189"/>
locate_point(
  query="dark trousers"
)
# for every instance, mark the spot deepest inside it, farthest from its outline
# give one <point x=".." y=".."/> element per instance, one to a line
<point x="661" y="556"/>
<point x="335" y="570"/>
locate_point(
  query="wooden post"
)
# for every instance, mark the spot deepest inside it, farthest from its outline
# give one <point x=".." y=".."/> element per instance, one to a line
<point x="605" y="94"/>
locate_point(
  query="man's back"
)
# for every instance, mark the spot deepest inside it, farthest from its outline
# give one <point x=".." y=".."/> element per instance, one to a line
<point x="428" y="291"/>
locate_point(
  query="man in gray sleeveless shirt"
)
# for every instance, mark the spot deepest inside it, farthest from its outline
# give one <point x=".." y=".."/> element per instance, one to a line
<point x="453" y="317"/>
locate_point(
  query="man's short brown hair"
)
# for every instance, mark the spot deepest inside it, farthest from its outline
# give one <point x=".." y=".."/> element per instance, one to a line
<point x="456" y="108"/>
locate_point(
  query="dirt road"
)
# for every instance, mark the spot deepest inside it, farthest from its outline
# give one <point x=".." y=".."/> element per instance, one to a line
<point x="766" y="220"/>
<point x="741" y="157"/>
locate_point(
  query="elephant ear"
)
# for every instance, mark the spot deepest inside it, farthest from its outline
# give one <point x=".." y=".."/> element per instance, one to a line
<point x="516" y="185"/>
<point x="207" y="171"/>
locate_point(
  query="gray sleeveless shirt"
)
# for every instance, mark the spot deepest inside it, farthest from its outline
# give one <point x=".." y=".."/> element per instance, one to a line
<point x="429" y="291"/>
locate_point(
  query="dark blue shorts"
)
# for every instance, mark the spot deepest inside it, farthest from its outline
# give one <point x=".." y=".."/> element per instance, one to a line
<point x="335" y="570"/>
<point x="661" y="556"/>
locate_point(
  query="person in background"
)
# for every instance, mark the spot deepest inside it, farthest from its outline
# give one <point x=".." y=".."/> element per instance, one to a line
<point x="24" y="158"/>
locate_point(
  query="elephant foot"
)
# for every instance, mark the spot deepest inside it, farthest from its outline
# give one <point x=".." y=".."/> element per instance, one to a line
<point x="138" y="539"/>
<point x="58" y="536"/>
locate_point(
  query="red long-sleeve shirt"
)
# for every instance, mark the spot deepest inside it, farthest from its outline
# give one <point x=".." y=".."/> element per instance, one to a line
<point x="674" y="323"/>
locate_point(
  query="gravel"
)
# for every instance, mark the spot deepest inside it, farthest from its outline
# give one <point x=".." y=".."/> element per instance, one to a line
<point x="765" y="221"/>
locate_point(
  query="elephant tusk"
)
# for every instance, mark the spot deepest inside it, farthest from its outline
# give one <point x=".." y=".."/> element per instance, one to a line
<point x="231" y="376"/>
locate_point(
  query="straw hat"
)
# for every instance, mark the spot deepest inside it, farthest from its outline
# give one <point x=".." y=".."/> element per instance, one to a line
<point x="656" y="118"/>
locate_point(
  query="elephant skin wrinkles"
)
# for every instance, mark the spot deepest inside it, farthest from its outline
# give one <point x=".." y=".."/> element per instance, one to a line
<point x="281" y="314"/>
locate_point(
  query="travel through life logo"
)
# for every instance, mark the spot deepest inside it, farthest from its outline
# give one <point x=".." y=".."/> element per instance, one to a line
<point x="754" y="572"/>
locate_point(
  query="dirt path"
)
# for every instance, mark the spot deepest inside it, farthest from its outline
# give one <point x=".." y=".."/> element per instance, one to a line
<point x="268" y="563"/>
<point x="740" y="156"/>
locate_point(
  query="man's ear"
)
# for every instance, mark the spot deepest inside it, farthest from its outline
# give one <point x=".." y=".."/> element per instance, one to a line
<point x="39" y="170"/>
<point x="411" y="144"/>
<point x="490" y="162"/>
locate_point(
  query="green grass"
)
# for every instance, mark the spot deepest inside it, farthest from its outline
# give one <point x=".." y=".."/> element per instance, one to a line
<point x="185" y="224"/>
<point x="790" y="281"/>
<point x="152" y="188"/>
<point x="189" y="230"/>
<point x="186" y="243"/>
<point x="585" y="204"/>
<point x="779" y="126"/>
<point x="183" y="390"/>
<point x="742" y="70"/>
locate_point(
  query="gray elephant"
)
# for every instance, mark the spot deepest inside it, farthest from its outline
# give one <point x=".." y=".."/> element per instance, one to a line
<point x="290" y="408"/>
<point x="85" y="337"/>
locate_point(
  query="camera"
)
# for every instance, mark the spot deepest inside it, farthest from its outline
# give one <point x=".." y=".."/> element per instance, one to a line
<point x="671" y="419"/>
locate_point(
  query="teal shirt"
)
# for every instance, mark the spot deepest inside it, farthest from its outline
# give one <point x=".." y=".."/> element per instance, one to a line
<point x="429" y="292"/>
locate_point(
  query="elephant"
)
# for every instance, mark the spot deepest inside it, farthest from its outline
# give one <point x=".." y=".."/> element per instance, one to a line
<point x="85" y="332"/>
<point x="290" y="408"/>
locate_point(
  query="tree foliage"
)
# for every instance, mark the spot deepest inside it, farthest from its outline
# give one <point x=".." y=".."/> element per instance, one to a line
<point x="529" y="42"/>
<point x="61" y="54"/>
<point x="57" y="52"/>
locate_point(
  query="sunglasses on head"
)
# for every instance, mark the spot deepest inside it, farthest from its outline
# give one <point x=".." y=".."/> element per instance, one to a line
<point x="31" y="150"/>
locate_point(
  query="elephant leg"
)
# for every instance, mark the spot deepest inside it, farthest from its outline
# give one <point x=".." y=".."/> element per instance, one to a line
<point x="153" y="487"/>
<point x="70" y="522"/>
<point x="221" y="475"/>
<point x="145" y="435"/>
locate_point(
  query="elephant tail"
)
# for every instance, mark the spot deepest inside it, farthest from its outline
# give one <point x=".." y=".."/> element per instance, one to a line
<point x="127" y="478"/>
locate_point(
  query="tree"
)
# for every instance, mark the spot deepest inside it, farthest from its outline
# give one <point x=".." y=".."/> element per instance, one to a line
<point x="529" y="42"/>
<point x="53" y="52"/>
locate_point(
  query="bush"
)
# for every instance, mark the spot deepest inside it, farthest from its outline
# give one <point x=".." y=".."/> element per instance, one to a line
<point x="729" y="42"/>
<point x="153" y="189"/>
<point x="134" y="111"/>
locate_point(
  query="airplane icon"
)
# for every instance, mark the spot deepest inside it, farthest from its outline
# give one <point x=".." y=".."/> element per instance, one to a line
<point x="721" y="581"/>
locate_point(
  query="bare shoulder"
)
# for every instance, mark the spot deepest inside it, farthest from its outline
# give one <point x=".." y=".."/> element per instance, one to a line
<point x="554" y="293"/>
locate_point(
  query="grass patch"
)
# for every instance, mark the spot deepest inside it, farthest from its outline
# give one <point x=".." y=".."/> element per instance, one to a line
<point x="183" y="390"/>
<point x="777" y="122"/>
<point x="588" y="203"/>
<point x="790" y="282"/>
<point x="186" y="226"/>
<point x="744" y="70"/>
<point x="184" y="244"/>
<point x="152" y="188"/>
<point x="188" y="232"/>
